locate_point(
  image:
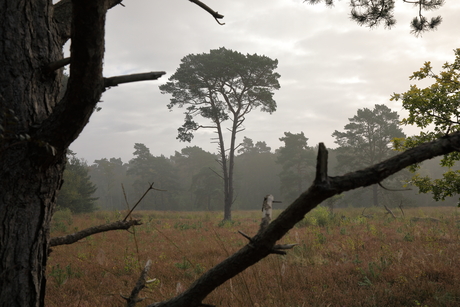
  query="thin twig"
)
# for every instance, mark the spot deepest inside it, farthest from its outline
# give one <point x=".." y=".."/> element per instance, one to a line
<point x="392" y="190"/>
<point x="401" y="208"/>
<point x="245" y="235"/>
<point x="126" y="198"/>
<point x="389" y="211"/>
<point x="220" y="176"/>
<point x="142" y="197"/>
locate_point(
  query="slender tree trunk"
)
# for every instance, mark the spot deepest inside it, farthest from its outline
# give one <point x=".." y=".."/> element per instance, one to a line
<point x="231" y="158"/>
<point x="375" y="195"/>
<point x="225" y="171"/>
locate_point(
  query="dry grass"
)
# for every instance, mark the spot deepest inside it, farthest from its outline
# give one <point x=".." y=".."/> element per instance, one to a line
<point x="351" y="261"/>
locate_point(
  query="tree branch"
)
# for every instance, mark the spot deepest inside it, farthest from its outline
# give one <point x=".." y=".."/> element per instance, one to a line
<point x="74" y="237"/>
<point x="133" y="299"/>
<point x="62" y="16"/>
<point x="114" y="81"/>
<point x="389" y="211"/>
<point x="86" y="83"/>
<point x="56" y="65"/>
<point x="214" y="14"/>
<point x="140" y="199"/>
<point x="218" y="175"/>
<point x="263" y="244"/>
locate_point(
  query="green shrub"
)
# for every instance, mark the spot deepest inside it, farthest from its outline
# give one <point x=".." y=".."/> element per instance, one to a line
<point x="320" y="216"/>
<point x="61" y="219"/>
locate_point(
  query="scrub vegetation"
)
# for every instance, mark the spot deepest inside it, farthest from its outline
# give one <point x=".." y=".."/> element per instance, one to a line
<point x="348" y="258"/>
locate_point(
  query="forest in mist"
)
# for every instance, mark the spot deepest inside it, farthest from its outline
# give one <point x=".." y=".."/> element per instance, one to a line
<point x="191" y="181"/>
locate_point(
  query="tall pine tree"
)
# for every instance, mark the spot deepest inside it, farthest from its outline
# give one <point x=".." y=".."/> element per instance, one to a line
<point x="77" y="190"/>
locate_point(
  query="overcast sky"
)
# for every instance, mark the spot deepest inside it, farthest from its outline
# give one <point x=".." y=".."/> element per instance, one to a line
<point x="329" y="68"/>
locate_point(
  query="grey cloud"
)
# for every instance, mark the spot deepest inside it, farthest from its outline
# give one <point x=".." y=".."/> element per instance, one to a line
<point x="329" y="68"/>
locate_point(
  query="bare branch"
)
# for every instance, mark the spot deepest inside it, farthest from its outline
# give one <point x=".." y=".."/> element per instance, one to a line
<point x="56" y="65"/>
<point x="245" y="235"/>
<point x="324" y="187"/>
<point x="279" y="248"/>
<point x="321" y="164"/>
<point x="392" y="190"/>
<point x="74" y="237"/>
<point x="389" y="211"/>
<point x="133" y="299"/>
<point x="214" y="14"/>
<point x="62" y="16"/>
<point x="140" y="199"/>
<point x="85" y="85"/>
<point x="114" y="81"/>
<point x="219" y="175"/>
<point x="401" y="208"/>
<point x="266" y="212"/>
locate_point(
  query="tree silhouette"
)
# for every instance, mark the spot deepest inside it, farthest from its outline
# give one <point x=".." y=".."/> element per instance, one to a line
<point x="78" y="189"/>
<point x="367" y="140"/>
<point x="218" y="86"/>
<point x="37" y="127"/>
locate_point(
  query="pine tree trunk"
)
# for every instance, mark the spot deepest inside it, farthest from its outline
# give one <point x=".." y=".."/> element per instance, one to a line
<point x="27" y="200"/>
<point x="38" y="130"/>
<point x="228" y="193"/>
<point x="231" y="166"/>
<point x="28" y="184"/>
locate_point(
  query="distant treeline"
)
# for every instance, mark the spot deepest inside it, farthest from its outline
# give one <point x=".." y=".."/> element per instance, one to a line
<point x="191" y="180"/>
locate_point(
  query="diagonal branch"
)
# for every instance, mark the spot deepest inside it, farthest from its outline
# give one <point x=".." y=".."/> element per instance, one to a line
<point x="214" y="14"/>
<point x="134" y="298"/>
<point x="74" y="237"/>
<point x="323" y="187"/>
<point x="140" y="199"/>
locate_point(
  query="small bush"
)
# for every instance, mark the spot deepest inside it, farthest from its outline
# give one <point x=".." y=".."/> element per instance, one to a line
<point x="61" y="220"/>
<point x="228" y="224"/>
<point x="61" y="275"/>
<point x="320" y="216"/>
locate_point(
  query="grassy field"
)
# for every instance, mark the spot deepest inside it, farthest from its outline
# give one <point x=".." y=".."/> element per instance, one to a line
<point x="340" y="260"/>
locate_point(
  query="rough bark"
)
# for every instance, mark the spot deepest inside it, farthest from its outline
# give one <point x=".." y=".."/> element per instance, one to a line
<point x="37" y="126"/>
<point x="323" y="187"/>
<point x="62" y="14"/>
<point x="27" y="189"/>
<point x="32" y="34"/>
<point x="31" y="168"/>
